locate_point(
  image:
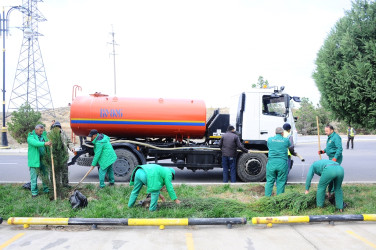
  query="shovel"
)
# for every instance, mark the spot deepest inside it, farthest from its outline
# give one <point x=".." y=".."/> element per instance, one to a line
<point x="83" y="178"/>
<point x="53" y="174"/>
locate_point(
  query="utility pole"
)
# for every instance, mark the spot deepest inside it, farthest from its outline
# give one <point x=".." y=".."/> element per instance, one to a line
<point x="113" y="43"/>
<point x="4" y="30"/>
<point x="30" y="83"/>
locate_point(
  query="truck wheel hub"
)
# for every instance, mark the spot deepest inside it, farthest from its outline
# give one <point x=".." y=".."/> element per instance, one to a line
<point x="121" y="167"/>
<point x="253" y="167"/>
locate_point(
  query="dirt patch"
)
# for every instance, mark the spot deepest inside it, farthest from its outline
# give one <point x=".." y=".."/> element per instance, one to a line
<point x="258" y="190"/>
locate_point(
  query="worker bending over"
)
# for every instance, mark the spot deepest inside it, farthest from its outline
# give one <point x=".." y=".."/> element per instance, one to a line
<point x="331" y="174"/>
<point x="154" y="177"/>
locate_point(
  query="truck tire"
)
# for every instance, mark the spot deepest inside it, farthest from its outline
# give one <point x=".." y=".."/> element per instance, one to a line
<point x="125" y="163"/>
<point x="251" y="167"/>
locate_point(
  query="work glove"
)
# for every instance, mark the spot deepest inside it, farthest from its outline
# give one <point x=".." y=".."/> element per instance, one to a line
<point x="334" y="159"/>
<point x="321" y="152"/>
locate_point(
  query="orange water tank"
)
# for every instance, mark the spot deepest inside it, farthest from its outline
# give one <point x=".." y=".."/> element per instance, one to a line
<point x="138" y="117"/>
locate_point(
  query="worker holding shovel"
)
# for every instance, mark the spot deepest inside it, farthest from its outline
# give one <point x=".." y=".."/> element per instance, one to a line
<point x="154" y="177"/>
<point x="37" y="140"/>
<point x="105" y="155"/>
<point x="333" y="145"/>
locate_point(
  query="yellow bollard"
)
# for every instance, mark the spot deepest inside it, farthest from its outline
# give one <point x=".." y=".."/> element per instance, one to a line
<point x="280" y="219"/>
<point x="161" y="227"/>
<point x="369" y="217"/>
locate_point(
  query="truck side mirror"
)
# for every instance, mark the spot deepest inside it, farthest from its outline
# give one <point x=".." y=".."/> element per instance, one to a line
<point x="296" y="98"/>
<point x="287" y="105"/>
<point x="287" y="101"/>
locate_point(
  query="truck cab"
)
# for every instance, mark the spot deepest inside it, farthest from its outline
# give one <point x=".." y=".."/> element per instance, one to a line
<point x="260" y="111"/>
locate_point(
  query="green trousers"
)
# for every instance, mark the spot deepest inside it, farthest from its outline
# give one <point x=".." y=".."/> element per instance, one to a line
<point x="102" y="175"/>
<point x="331" y="174"/>
<point x="140" y="180"/>
<point x="42" y="172"/>
<point x="276" y="171"/>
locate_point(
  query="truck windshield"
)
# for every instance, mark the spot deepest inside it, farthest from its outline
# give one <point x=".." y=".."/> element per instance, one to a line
<point x="273" y="105"/>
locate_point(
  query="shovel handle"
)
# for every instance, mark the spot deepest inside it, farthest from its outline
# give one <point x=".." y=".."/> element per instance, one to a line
<point x="83" y="178"/>
<point x="300" y="157"/>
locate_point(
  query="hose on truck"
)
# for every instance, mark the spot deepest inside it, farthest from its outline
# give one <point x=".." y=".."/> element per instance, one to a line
<point x="159" y="148"/>
<point x="186" y="148"/>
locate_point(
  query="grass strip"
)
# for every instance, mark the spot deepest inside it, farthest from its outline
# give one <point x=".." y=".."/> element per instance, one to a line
<point x="197" y="201"/>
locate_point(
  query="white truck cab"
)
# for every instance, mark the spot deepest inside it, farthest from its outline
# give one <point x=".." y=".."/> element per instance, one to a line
<point x="260" y="111"/>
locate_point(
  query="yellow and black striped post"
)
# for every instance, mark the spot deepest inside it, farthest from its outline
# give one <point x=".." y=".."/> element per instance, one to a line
<point x="161" y="222"/>
<point x="312" y="218"/>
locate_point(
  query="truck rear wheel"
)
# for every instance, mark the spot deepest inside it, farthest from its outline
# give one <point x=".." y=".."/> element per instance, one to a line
<point x="251" y="167"/>
<point x="125" y="163"/>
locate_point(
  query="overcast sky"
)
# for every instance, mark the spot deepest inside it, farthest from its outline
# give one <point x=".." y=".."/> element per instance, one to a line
<point x="196" y="49"/>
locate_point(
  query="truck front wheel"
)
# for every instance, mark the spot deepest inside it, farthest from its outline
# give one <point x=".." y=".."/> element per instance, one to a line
<point x="125" y="163"/>
<point x="251" y="167"/>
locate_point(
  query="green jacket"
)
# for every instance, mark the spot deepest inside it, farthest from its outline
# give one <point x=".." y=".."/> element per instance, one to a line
<point x="278" y="146"/>
<point x="104" y="153"/>
<point x="35" y="147"/>
<point x="157" y="177"/>
<point x="317" y="168"/>
<point x="334" y="147"/>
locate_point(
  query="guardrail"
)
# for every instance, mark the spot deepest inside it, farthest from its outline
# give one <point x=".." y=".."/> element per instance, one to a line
<point x="313" y="218"/>
<point x="27" y="221"/>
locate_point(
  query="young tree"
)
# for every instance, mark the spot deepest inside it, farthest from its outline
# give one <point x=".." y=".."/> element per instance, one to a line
<point x="23" y="122"/>
<point x="345" y="67"/>
<point x="60" y="158"/>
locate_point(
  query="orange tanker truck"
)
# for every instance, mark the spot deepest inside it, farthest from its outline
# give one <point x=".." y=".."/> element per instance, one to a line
<point x="176" y="131"/>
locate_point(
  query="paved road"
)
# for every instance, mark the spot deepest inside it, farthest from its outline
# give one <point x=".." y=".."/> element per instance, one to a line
<point x="353" y="235"/>
<point x="358" y="163"/>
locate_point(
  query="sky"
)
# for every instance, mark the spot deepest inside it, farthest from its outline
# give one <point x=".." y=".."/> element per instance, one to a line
<point x="210" y="50"/>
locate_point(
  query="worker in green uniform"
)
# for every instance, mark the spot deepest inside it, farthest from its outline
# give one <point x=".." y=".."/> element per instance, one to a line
<point x="333" y="145"/>
<point x="276" y="168"/>
<point x="37" y="140"/>
<point x="330" y="172"/>
<point x="154" y="177"/>
<point x="105" y="155"/>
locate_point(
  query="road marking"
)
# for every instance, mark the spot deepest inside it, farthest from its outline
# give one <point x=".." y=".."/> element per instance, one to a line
<point x="10" y="241"/>
<point x="362" y="239"/>
<point x="189" y="240"/>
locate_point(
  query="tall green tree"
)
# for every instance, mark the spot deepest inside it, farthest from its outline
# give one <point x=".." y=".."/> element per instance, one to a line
<point x="23" y="122"/>
<point x="346" y="66"/>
